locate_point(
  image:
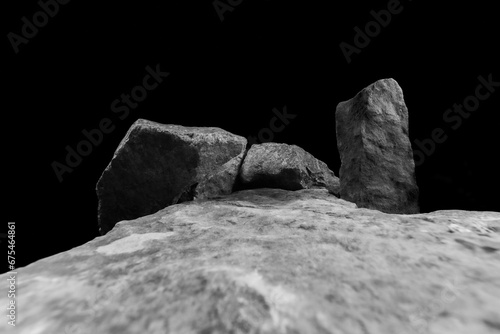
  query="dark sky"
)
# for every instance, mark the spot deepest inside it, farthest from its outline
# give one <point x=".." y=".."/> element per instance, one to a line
<point x="232" y="73"/>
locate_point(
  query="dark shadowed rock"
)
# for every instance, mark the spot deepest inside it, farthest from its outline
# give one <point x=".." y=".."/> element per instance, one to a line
<point x="155" y="163"/>
<point x="270" y="261"/>
<point x="377" y="168"/>
<point x="286" y="167"/>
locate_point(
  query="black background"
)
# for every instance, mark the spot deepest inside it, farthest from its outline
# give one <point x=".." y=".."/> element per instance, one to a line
<point x="231" y="74"/>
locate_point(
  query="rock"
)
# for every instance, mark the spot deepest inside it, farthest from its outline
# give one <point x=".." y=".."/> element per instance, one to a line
<point x="287" y="167"/>
<point x="377" y="170"/>
<point x="222" y="182"/>
<point x="270" y="261"/>
<point x="155" y="163"/>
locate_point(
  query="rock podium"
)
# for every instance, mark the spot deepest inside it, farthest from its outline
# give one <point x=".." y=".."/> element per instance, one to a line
<point x="270" y="261"/>
<point x="287" y="256"/>
<point x="377" y="171"/>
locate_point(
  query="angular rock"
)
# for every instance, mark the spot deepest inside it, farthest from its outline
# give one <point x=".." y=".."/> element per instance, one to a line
<point x="222" y="182"/>
<point x="270" y="261"/>
<point x="289" y="167"/>
<point x="377" y="170"/>
<point x="155" y="163"/>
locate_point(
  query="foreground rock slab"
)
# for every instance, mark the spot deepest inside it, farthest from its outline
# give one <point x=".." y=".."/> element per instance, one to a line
<point x="286" y="167"/>
<point x="155" y="163"/>
<point x="271" y="261"/>
<point x="377" y="169"/>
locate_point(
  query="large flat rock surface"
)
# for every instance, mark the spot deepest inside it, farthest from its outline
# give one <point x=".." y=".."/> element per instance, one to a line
<point x="271" y="261"/>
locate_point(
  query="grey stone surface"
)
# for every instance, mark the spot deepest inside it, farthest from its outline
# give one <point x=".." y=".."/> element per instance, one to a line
<point x="222" y="182"/>
<point x="286" y="167"/>
<point x="154" y="164"/>
<point x="271" y="261"/>
<point x="377" y="168"/>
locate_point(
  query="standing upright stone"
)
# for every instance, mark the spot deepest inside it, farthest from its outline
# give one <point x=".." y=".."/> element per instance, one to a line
<point x="377" y="170"/>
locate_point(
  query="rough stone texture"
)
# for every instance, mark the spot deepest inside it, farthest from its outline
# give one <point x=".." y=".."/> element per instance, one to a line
<point x="377" y="168"/>
<point x="222" y="182"/>
<point x="286" y="167"/>
<point x="271" y="261"/>
<point x="154" y="163"/>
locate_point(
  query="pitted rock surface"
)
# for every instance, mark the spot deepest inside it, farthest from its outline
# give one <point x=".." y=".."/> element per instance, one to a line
<point x="271" y="261"/>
